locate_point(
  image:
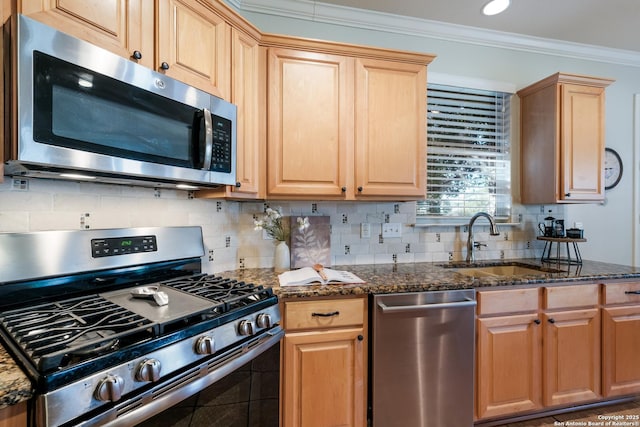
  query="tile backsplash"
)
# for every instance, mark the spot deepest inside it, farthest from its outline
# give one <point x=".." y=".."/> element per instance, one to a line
<point x="231" y="239"/>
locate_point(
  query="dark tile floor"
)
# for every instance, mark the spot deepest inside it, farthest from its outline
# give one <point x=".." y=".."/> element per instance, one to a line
<point x="623" y="414"/>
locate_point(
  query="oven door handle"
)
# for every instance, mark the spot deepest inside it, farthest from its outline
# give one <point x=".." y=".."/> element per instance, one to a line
<point x="208" y="139"/>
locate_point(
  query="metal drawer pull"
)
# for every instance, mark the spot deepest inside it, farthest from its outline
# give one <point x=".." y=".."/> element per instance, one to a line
<point x="335" y="313"/>
<point x="632" y="292"/>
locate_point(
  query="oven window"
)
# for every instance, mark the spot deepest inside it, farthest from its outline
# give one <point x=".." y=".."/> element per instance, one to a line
<point x="80" y="109"/>
<point x="247" y="397"/>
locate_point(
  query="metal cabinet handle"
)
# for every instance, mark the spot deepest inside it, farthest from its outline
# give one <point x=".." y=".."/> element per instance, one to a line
<point x="136" y="54"/>
<point x="421" y="307"/>
<point x="360" y="338"/>
<point x="632" y="292"/>
<point x="360" y="189"/>
<point x="164" y="66"/>
<point x="552" y="320"/>
<point x="537" y="321"/>
<point x="344" y="189"/>
<point x="334" y="313"/>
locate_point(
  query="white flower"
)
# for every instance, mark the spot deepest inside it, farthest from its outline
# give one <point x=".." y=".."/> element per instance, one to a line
<point x="303" y="223"/>
<point x="274" y="224"/>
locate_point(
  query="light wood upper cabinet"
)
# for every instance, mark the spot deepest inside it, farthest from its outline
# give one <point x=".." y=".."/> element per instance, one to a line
<point x="190" y="42"/>
<point x="345" y="122"/>
<point x="248" y="93"/>
<point x="194" y="46"/>
<point x="121" y="26"/>
<point x="324" y="367"/>
<point x="310" y="124"/>
<point x="390" y="125"/>
<point x="562" y="121"/>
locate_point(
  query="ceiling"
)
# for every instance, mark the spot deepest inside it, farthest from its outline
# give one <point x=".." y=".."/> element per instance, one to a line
<point x="606" y="23"/>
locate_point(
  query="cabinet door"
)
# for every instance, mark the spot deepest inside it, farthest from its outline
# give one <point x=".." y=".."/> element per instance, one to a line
<point x="571" y="356"/>
<point x="620" y="350"/>
<point x="194" y="46"/>
<point x="248" y="95"/>
<point x="310" y="135"/>
<point x="509" y="365"/>
<point x="121" y="26"/>
<point x="323" y="382"/>
<point x="14" y="415"/>
<point x="391" y="122"/>
<point x="582" y="135"/>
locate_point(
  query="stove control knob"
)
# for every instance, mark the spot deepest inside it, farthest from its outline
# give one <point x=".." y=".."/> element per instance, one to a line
<point x="205" y="345"/>
<point x="263" y="320"/>
<point x="148" y="370"/>
<point x="245" y="327"/>
<point x="110" y="388"/>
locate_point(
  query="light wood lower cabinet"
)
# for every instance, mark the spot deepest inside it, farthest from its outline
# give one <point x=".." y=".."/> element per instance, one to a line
<point x="621" y="339"/>
<point x="509" y="365"/>
<point x="542" y="349"/>
<point x="324" y="366"/>
<point x="14" y="415"/>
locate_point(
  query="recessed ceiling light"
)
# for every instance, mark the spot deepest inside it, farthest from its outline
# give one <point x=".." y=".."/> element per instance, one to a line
<point x="495" y="6"/>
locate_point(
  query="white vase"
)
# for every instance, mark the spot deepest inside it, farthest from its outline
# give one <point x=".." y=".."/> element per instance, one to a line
<point x="282" y="260"/>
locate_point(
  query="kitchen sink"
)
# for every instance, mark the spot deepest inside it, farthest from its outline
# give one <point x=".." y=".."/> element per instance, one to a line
<point x="510" y="269"/>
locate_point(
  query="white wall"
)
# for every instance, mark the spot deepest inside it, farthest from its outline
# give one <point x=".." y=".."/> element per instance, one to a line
<point x="608" y="227"/>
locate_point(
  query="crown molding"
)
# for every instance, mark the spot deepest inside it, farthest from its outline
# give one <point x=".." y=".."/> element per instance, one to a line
<point x="370" y="20"/>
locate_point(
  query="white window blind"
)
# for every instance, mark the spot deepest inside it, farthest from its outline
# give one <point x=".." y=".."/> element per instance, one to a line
<point x="468" y="156"/>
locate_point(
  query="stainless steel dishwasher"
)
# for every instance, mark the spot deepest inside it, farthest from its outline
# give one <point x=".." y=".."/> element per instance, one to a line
<point x="422" y="369"/>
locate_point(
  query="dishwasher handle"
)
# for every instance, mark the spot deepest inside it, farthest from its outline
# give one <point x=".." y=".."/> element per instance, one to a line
<point x="421" y="307"/>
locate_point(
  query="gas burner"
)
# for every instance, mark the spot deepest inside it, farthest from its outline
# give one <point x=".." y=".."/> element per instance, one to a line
<point x="51" y="333"/>
<point x="100" y="342"/>
<point x="227" y="294"/>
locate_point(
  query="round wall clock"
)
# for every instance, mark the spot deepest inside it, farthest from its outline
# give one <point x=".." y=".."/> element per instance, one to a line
<point x="612" y="168"/>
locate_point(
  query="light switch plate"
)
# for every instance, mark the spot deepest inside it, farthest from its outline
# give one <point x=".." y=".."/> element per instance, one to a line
<point x="391" y="229"/>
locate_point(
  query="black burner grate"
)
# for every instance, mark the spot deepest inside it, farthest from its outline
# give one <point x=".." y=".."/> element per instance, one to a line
<point x="228" y="294"/>
<point x="61" y="333"/>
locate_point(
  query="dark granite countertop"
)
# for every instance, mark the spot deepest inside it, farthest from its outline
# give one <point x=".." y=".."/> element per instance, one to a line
<point x="380" y="278"/>
<point x="416" y="277"/>
<point x="15" y="387"/>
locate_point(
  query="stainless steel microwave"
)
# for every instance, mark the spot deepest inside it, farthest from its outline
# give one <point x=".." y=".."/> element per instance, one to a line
<point x="86" y="113"/>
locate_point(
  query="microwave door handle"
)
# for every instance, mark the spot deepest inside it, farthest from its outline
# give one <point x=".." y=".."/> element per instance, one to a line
<point x="208" y="140"/>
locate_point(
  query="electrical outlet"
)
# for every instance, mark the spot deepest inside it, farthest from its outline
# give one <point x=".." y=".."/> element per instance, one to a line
<point x="391" y="229"/>
<point x="365" y="230"/>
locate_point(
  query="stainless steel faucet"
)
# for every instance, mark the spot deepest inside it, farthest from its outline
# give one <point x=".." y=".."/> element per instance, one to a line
<point x="470" y="243"/>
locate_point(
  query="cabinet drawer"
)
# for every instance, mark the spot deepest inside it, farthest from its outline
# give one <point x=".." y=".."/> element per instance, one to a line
<point x="570" y="296"/>
<point x="616" y="293"/>
<point x="328" y="313"/>
<point x="507" y="301"/>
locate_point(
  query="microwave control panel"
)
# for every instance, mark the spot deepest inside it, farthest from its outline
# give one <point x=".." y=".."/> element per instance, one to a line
<point x="221" y="154"/>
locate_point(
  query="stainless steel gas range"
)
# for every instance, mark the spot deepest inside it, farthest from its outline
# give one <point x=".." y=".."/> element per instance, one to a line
<point x="114" y="326"/>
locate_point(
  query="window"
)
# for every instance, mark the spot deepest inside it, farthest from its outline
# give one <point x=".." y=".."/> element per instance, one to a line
<point x="468" y="156"/>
